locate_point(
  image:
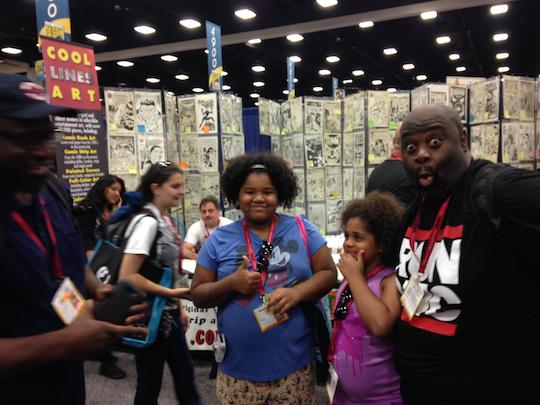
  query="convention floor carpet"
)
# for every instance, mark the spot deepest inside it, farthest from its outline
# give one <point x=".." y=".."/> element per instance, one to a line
<point x="104" y="391"/>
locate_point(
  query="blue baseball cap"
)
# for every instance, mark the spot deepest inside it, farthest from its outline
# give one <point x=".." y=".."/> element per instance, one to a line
<point x="22" y="98"/>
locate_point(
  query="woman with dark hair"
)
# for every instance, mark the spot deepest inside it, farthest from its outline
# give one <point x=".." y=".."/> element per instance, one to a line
<point x="155" y="237"/>
<point x="92" y="215"/>
<point x="258" y="270"/>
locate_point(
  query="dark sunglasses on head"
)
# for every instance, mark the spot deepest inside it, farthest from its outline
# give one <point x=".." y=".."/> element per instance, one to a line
<point x="264" y="256"/>
<point x="342" y="308"/>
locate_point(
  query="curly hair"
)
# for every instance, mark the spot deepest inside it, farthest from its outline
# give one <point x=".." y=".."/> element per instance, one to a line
<point x="381" y="213"/>
<point x="281" y="176"/>
<point x="158" y="173"/>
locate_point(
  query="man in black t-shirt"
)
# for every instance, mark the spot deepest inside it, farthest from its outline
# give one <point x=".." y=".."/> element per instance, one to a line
<point x="391" y="176"/>
<point x="473" y="337"/>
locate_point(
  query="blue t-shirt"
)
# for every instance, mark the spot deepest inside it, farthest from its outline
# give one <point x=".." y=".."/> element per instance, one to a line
<point x="253" y="355"/>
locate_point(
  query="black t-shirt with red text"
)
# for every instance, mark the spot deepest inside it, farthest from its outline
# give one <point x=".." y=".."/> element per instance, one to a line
<point x="475" y="334"/>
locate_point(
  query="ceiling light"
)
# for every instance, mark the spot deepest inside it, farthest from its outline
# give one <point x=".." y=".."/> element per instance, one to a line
<point x="257" y="103"/>
<point x="317" y="89"/>
<point x="169" y="58"/>
<point x="421" y="77"/>
<point x="502" y="55"/>
<point x="224" y="73"/>
<point x="327" y="3"/>
<point x="285" y="92"/>
<point x="152" y="80"/>
<point x="503" y="36"/>
<point x="254" y="95"/>
<point x="258" y="84"/>
<point x="443" y="40"/>
<point x="347" y="81"/>
<point x="391" y="90"/>
<point x="245" y="14"/>
<point x="461" y="69"/>
<point x="376" y="82"/>
<point x="98" y="68"/>
<point x="324" y="72"/>
<point x="498" y="9"/>
<point x="366" y="24"/>
<point x="94" y="36"/>
<point x="408" y="66"/>
<point x="332" y="59"/>
<point x="295" y="80"/>
<point x="206" y="51"/>
<point x="295" y="58"/>
<point x="389" y="51"/>
<point x="226" y="87"/>
<point x="454" y="56"/>
<point x="125" y="63"/>
<point x="144" y="29"/>
<point x="254" y="41"/>
<point x="190" y="23"/>
<point x="503" y="69"/>
<point x="358" y="72"/>
<point x="11" y="51"/>
<point x="258" y="68"/>
<point x="181" y="77"/>
<point x="197" y="90"/>
<point x="295" y="37"/>
<point x="428" y="15"/>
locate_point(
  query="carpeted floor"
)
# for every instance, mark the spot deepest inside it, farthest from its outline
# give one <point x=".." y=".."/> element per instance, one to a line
<point x="104" y="391"/>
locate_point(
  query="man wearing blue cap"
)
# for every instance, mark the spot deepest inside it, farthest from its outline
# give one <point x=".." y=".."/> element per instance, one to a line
<point x="40" y="248"/>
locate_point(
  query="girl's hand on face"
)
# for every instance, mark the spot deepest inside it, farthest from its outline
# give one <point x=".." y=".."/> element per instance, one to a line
<point x="351" y="266"/>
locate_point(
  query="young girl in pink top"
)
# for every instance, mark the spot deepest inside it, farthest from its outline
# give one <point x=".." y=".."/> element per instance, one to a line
<point x="367" y="304"/>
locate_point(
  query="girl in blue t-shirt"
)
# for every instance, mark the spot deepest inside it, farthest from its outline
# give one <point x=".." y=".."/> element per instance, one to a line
<point x="257" y="270"/>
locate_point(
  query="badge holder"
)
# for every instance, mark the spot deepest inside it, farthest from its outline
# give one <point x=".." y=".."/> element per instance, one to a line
<point x="219" y="347"/>
<point x="412" y="296"/>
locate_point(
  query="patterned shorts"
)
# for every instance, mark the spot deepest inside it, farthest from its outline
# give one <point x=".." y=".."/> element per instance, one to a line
<point x="297" y="388"/>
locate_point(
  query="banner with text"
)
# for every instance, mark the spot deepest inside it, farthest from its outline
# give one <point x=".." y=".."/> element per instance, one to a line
<point x="52" y="19"/>
<point x="290" y="78"/>
<point x="82" y="153"/>
<point x="203" y="328"/>
<point x="215" y="63"/>
<point x="70" y="74"/>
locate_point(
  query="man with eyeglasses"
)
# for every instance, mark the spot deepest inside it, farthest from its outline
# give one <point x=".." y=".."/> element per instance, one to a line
<point x="40" y="248"/>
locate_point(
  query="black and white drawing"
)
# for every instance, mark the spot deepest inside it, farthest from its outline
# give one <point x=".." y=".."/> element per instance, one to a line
<point x="490" y="142"/>
<point x="334" y="183"/>
<point x="171" y="115"/>
<point x="276" y="145"/>
<point x="315" y="185"/>
<point x="192" y="191"/>
<point x="210" y="184"/>
<point x="189" y="151"/>
<point x="476" y="134"/>
<point x="400" y="104"/>
<point x="298" y="149"/>
<point x="206" y="113"/>
<point x="231" y="146"/>
<point x="333" y="215"/>
<point x="186" y="115"/>
<point x="348" y="185"/>
<point x="233" y="214"/>
<point x="317" y="215"/>
<point x="509" y="139"/>
<point x="287" y="148"/>
<point x="526" y="96"/>
<point x="286" y="119"/>
<point x="296" y="115"/>
<point x="359" y="148"/>
<point x="419" y="96"/>
<point x="275" y="118"/>
<point x="438" y="94"/>
<point x="237" y="126"/>
<point x="208" y="153"/>
<point x="353" y="106"/>
<point x="477" y="102"/>
<point x="378" y="109"/>
<point x="151" y="151"/>
<point x="380" y="145"/>
<point x="511" y="97"/>
<point x="332" y="149"/>
<point x="120" y="111"/>
<point x="458" y="100"/>
<point x="314" y="151"/>
<point x="313" y="116"/>
<point x="226" y="112"/>
<point x="491" y="112"/>
<point x="526" y="141"/>
<point x="264" y="116"/>
<point x="148" y="112"/>
<point x="192" y="215"/>
<point x="332" y="116"/>
<point x="359" y="181"/>
<point x="301" y="179"/>
<point x="348" y="149"/>
<point x="122" y="154"/>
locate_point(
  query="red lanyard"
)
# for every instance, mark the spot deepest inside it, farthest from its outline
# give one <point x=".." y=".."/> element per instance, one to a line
<point x="251" y="253"/>
<point x="207" y="232"/>
<point x="436" y="231"/>
<point x="27" y="229"/>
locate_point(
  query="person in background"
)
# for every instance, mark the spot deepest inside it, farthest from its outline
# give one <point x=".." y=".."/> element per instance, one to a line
<point x="92" y="215"/>
<point x="391" y="176"/>
<point x="40" y="245"/>
<point x="155" y="237"/>
<point x="201" y="230"/>
<point x="368" y="303"/>
<point x="258" y="270"/>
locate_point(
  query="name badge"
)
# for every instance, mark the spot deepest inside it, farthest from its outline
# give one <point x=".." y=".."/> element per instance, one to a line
<point x="331" y="383"/>
<point x="267" y="319"/>
<point x="67" y="301"/>
<point x="412" y="296"/>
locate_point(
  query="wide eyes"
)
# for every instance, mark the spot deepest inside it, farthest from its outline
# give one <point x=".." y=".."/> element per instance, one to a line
<point x="435" y="142"/>
<point x="410" y="148"/>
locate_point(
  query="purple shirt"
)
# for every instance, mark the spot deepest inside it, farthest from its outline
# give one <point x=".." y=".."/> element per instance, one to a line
<point x="364" y="363"/>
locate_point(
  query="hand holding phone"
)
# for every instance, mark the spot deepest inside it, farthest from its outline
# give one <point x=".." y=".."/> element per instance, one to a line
<point x="115" y="308"/>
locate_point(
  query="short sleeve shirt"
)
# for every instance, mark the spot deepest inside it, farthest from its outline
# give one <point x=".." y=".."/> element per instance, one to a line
<point x="197" y="234"/>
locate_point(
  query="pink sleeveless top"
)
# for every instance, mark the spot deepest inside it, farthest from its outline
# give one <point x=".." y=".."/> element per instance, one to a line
<point x="364" y="363"/>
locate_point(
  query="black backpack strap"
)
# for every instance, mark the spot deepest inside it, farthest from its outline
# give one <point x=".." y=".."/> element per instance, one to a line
<point x="483" y="201"/>
<point x="59" y="192"/>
